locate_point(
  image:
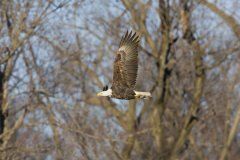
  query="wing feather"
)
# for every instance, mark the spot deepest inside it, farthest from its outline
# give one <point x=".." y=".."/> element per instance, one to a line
<point x="126" y="61"/>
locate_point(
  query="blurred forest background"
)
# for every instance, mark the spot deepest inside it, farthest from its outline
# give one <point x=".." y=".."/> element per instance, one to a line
<point x="55" y="55"/>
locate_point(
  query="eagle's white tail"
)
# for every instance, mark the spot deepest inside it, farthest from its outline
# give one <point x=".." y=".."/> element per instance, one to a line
<point x="142" y="95"/>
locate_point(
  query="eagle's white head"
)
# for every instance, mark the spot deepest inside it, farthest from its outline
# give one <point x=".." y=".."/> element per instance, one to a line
<point x="106" y="92"/>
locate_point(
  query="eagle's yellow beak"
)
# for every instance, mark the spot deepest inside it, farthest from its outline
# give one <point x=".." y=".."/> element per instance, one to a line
<point x="99" y="94"/>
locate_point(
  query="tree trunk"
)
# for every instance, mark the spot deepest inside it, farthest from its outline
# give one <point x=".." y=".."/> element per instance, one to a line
<point x="2" y="117"/>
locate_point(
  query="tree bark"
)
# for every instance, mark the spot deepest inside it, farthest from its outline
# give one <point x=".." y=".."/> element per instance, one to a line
<point x="2" y="117"/>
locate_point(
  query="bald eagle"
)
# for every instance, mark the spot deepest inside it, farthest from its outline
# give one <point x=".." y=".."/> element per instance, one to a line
<point x="125" y="69"/>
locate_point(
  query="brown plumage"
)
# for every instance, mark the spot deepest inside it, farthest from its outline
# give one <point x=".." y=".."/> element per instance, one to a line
<point x="125" y="70"/>
<point x="125" y="67"/>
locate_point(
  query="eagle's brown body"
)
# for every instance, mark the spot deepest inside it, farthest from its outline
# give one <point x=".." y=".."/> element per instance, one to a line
<point x="122" y="92"/>
<point x="125" y="70"/>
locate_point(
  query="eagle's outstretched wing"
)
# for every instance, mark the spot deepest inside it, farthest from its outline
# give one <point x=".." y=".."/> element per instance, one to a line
<point x="126" y="62"/>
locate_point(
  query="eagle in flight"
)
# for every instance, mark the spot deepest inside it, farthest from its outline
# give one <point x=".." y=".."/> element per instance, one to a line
<point x="125" y="69"/>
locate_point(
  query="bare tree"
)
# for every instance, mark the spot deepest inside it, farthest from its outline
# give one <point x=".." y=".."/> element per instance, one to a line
<point x="56" y="55"/>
